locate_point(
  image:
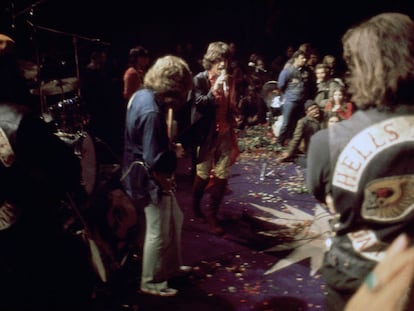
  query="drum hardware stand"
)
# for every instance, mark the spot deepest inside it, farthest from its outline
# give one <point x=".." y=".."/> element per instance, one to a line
<point x="263" y="165"/>
<point x="87" y="235"/>
<point x="76" y="52"/>
<point x="28" y="9"/>
<point x="14" y="16"/>
<point x="75" y="44"/>
<point x="113" y="154"/>
<point x="33" y="36"/>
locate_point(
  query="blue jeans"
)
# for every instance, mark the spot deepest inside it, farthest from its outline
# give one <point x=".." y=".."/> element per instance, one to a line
<point x="292" y="111"/>
<point x="162" y="245"/>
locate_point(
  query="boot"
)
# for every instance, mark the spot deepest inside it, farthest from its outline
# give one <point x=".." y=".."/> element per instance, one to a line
<point x="217" y="193"/>
<point x="199" y="186"/>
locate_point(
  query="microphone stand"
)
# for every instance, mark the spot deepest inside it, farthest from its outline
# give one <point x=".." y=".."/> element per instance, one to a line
<point x="75" y="46"/>
<point x="34" y="38"/>
<point x="29" y="8"/>
<point x="75" y="42"/>
<point x="263" y="165"/>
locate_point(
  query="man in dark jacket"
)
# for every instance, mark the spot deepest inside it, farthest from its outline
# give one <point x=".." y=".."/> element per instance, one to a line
<point x="43" y="266"/>
<point x="148" y="167"/>
<point x="362" y="167"/>
<point x="215" y="102"/>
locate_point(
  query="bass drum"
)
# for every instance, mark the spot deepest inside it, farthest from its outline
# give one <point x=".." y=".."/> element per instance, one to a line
<point x="83" y="147"/>
<point x="68" y="116"/>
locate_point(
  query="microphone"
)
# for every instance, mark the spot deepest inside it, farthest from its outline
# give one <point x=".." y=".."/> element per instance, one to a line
<point x="251" y="64"/>
<point x="223" y="74"/>
<point x="257" y="68"/>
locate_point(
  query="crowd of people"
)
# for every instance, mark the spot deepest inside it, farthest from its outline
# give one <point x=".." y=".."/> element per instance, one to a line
<point x="354" y="133"/>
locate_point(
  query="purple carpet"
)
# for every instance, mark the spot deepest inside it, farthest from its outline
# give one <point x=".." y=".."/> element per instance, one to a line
<point x="267" y="260"/>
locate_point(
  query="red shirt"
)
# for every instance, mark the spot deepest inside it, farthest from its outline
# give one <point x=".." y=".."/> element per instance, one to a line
<point x="225" y="100"/>
<point x="133" y="80"/>
<point x="345" y="111"/>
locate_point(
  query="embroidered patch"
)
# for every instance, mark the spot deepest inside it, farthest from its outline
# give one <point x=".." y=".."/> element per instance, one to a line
<point x="366" y="244"/>
<point x="8" y="215"/>
<point x="364" y="146"/>
<point x="6" y="152"/>
<point x="388" y="199"/>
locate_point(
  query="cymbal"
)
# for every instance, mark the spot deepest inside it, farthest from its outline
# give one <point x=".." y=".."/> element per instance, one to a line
<point x="57" y="86"/>
<point x="30" y="70"/>
<point x="4" y="37"/>
<point x="6" y="43"/>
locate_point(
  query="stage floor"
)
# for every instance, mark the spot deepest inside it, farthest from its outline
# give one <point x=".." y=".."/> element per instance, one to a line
<point x="267" y="260"/>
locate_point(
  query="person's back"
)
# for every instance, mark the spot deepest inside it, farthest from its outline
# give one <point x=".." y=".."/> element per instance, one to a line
<point x="38" y="171"/>
<point x="363" y="165"/>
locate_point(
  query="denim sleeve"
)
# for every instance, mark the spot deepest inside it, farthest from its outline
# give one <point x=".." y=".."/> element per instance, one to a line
<point x="156" y="146"/>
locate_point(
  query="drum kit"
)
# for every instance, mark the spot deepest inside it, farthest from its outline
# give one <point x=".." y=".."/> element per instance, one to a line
<point x="115" y="217"/>
<point x="68" y="119"/>
<point x="60" y="98"/>
<point x="110" y="213"/>
<point x="70" y="124"/>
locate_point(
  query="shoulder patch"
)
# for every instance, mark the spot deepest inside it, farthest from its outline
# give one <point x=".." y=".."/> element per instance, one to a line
<point x="388" y="199"/>
<point x="365" y="145"/>
<point x="366" y="244"/>
<point x="6" y="152"/>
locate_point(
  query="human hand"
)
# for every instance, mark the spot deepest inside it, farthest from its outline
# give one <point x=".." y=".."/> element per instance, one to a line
<point x="336" y="107"/>
<point x="238" y="120"/>
<point x="253" y="119"/>
<point x="179" y="150"/>
<point x="165" y="181"/>
<point x="329" y="202"/>
<point x="221" y="81"/>
<point x="388" y="286"/>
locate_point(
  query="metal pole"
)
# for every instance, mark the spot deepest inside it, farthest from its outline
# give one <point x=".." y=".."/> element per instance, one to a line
<point x="75" y="46"/>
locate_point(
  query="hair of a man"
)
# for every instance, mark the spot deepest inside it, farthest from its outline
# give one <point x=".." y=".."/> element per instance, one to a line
<point x="379" y="53"/>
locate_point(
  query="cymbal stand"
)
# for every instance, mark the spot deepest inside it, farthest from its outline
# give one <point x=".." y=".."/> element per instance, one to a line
<point x="27" y="9"/>
<point x="264" y="159"/>
<point x="29" y="12"/>
<point x="33" y="37"/>
<point x="75" y="45"/>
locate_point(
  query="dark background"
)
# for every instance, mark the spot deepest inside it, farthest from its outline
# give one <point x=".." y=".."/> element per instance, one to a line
<point x="59" y="28"/>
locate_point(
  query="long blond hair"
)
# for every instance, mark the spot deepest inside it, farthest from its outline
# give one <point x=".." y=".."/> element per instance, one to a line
<point x="170" y="78"/>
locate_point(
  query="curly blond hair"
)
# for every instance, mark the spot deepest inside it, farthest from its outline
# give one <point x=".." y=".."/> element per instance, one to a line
<point x="170" y="78"/>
